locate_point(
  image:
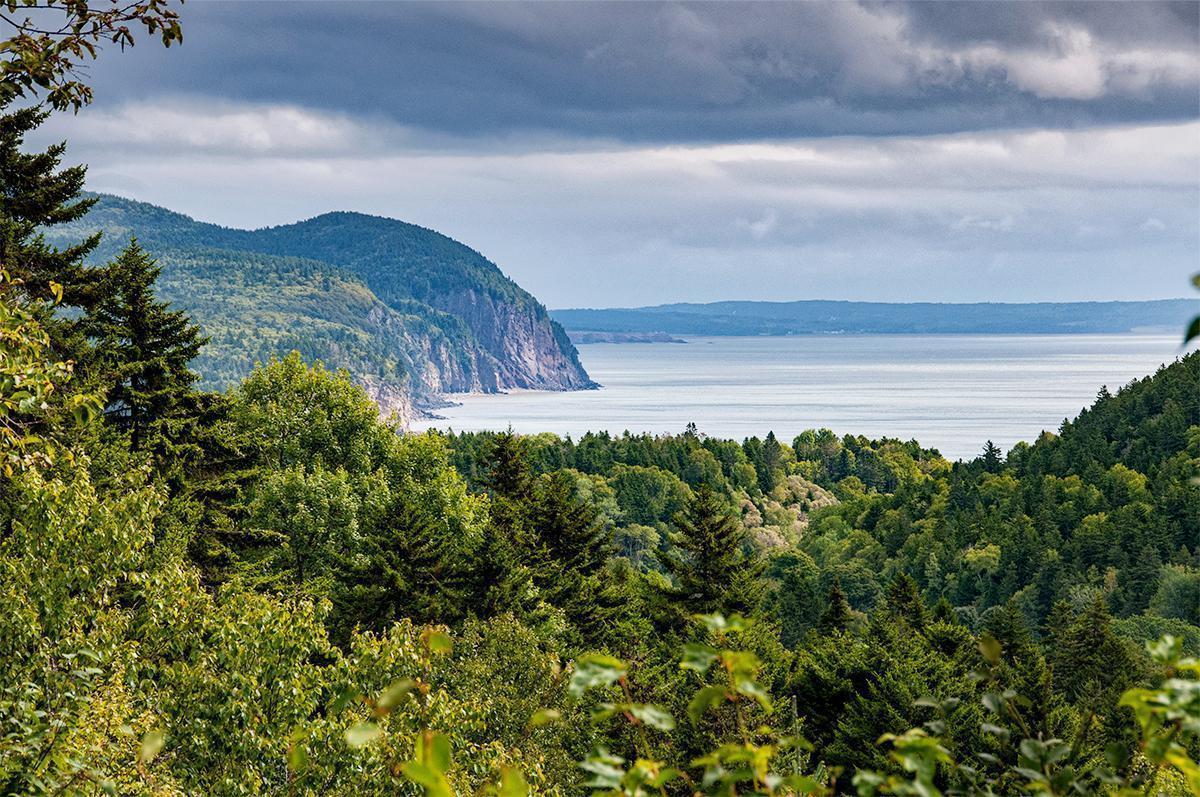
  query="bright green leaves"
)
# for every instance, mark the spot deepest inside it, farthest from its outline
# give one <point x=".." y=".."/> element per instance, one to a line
<point x="430" y="764"/>
<point x="593" y="670"/>
<point x="652" y="716"/>
<point x="610" y="778"/>
<point x="706" y="699"/>
<point x="598" y="671"/>
<point x="740" y="667"/>
<point x="152" y="745"/>
<point x="1169" y="716"/>
<point x="917" y="753"/>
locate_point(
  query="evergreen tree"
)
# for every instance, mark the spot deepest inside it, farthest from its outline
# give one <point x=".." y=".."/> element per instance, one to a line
<point x="36" y="194"/>
<point x="838" y="614"/>
<point x="402" y="568"/>
<point x="142" y="350"/>
<point x="992" y="457"/>
<point x="904" y="601"/>
<point x="709" y="565"/>
<point x="768" y="462"/>
<point x="1090" y="662"/>
<point x="569" y="534"/>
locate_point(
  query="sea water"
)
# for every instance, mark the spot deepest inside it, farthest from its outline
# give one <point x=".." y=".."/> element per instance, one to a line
<point x="950" y="392"/>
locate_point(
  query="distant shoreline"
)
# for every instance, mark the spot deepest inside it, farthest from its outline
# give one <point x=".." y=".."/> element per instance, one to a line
<point x="820" y="317"/>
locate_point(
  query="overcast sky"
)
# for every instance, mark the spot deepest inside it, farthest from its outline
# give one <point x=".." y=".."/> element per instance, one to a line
<point x="630" y="154"/>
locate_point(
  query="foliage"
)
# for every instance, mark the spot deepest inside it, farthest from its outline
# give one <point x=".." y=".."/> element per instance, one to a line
<point x="47" y="50"/>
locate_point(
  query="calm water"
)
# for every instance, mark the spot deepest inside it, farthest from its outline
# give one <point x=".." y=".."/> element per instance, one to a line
<point x="951" y="392"/>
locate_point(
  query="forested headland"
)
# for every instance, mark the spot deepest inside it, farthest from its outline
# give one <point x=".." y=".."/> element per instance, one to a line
<point x="276" y="590"/>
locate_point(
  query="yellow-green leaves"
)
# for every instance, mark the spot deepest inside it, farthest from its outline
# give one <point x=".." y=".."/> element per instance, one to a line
<point x="360" y="734"/>
<point x="152" y="745"/>
<point x="544" y="716"/>
<point x="430" y="764"/>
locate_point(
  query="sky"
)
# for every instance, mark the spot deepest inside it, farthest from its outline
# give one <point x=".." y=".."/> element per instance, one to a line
<point x="627" y="154"/>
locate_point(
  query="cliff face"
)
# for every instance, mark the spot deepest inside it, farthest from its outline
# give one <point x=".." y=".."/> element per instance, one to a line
<point x="525" y="347"/>
<point x="410" y="313"/>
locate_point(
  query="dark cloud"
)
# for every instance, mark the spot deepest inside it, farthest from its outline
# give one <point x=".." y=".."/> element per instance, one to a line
<point x="705" y="72"/>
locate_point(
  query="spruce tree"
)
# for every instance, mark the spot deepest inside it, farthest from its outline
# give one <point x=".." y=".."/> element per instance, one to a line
<point x="34" y="194"/>
<point x="708" y="562"/>
<point x="992" y="457"/>
<point x="838" y="614"/>
<point x="904" y="601"/>
<point x="571" y="549"/>
<point x="568" y="530"/>
<point x="142" y="350"/>
<point x="401" y="568"/>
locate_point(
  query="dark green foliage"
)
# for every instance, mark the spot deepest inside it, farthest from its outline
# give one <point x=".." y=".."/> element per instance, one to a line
<point x="38" y="195"/>
<point x="837" y="615"/>
<point x="142" y="353"/>
<point x="711" y="567"/>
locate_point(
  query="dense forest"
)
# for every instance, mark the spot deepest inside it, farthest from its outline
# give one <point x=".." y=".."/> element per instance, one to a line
<point x="276" y="590"/>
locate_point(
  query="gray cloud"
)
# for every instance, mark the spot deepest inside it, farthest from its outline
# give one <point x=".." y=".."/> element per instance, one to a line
<point x="703" y="72"/>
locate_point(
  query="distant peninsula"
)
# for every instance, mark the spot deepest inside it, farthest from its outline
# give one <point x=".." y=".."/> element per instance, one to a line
<point x="843" y="317"/>
<point x="583" y="337"/>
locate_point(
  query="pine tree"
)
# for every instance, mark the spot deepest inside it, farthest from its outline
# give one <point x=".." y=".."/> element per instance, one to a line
<point x="35" y="194"/>
<point x="904" y="601"/>
<point x="568" y="530"/>
<point x="402" y="568"/>
<point x="992" y="457"/>
<point x="838" y="614"/>
<point x="708" y="562"/>
<point x="141" y="353"/>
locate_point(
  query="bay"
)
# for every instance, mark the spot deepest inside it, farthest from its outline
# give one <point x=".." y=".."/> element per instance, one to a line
<point x="950" y="392"/>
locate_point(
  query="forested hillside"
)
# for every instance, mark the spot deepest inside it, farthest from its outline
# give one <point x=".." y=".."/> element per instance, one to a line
<point x="410" y="313"/>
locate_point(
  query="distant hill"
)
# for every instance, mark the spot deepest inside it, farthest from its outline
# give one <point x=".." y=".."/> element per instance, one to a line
<point x="411" y="313"/>
<point x="827" y="317"/>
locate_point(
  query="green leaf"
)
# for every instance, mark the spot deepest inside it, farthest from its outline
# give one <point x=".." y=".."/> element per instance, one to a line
<point x="605" y="769"/>
<point x="719" y="624"/>
<point x="438" y="643"/>
<point x="698" y="657"/>
<point x="152" y="745"/>
<point x="434" y="783"/>
<point x="545" y="716"/>
<point x="361" y="734"/>
<point x="751" y="689"/>
<point x="297" y="758"/>
<point x="343" y="699"/>
<point x="653" y="716"/>
<point x="593" y="670"/>
<point x="395" y="693"/>
<point x="512" y="783"/>
<point x="990" y="648"/>
<point x="433" y="749"/>
<point x="706" y="698"/>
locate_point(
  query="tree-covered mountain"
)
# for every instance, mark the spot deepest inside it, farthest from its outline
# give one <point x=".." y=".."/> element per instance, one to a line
<point x="410" y="313"/>
<point x="818" y="316"/>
